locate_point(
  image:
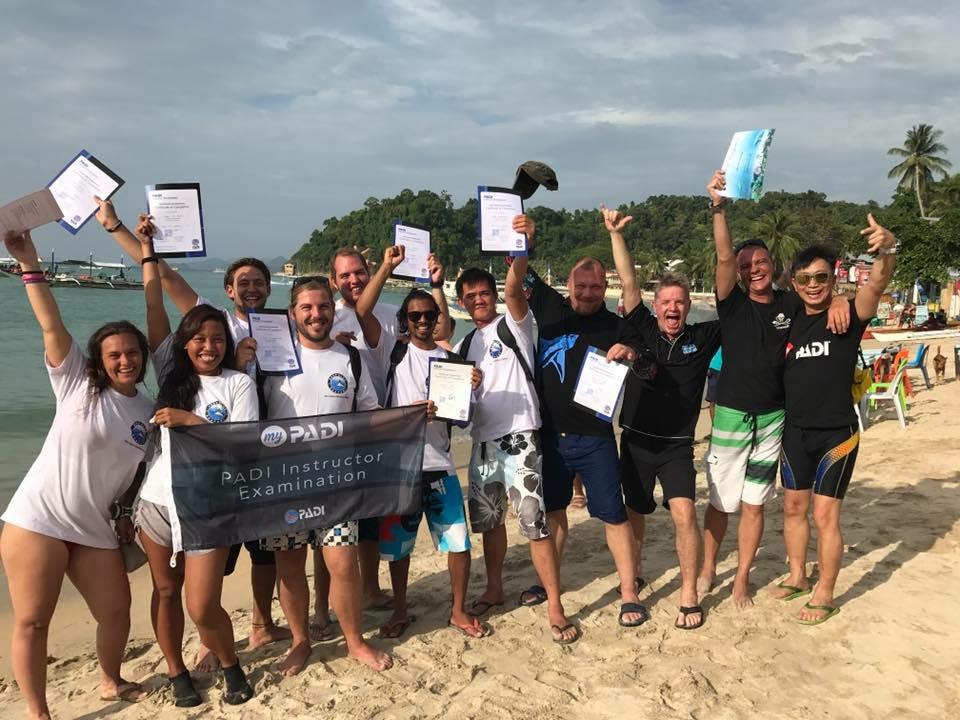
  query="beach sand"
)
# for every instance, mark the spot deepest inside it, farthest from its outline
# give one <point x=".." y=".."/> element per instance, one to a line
<point x="892" y="651"/>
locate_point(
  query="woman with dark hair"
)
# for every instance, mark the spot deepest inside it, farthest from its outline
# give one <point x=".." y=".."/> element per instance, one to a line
<point x="58" y="521"/>
<point x="196" y="387"/>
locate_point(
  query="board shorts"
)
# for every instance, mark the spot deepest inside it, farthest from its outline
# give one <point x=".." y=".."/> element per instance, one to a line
<point x="443" y="505"/>
<point x="644" y="460"/>
<point x="153" y="519"/>
<point x="595" y="458"/>
<point x="342" y="535"/>
<point x="821" y="460"/>
<point x="508" y="468"/>
<point x="742" y="459"/>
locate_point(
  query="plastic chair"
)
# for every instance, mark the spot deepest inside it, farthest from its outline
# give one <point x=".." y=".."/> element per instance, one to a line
<point x="920" y="363"/>
<point x="886" y="391"/>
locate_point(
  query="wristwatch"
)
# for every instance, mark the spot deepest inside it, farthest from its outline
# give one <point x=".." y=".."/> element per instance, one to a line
<point x="118" y="511"/>
<point x="716" y="207"/>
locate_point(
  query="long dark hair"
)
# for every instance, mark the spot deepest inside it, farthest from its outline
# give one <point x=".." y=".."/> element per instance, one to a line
<point x="181" y="384"/>
<point x="96" y="373"/>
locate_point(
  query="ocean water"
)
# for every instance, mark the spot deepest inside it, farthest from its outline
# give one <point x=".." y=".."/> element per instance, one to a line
<point x="26" y="400"/>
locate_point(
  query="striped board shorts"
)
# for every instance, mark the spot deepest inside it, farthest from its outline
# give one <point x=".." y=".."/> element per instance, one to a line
<point x="743" y="455"/>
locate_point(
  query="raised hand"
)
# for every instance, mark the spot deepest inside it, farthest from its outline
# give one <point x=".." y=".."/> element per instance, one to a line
<point x="21" y="248"/>
<point x="614" y="220"/>
<point x="525" y="224"/>
<point x="145" y="228"/>
<point x="106" y="215"/>
<point x="393" y="255"/>
<point x="878" y="237"/>
<point x="435" y="267"/>
<point x="717" y="183"/>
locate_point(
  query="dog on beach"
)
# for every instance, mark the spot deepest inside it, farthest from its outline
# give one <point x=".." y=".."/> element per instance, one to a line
<point x="940" y="365"/>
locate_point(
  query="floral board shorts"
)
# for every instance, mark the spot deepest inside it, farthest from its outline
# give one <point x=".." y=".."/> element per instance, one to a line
<point x="508" y="467"/>
<point x="443" y="506"/>
<point x="342" y="535"/>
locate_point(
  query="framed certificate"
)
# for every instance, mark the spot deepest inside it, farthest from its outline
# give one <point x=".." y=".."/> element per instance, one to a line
<point x="74" y="187"/>
<point x="496" y="208"/>
<point x="276" y="350"/>
<point x="450" y="389"/>
<point x="178" y="218"/>
<point x="416" y="245"/>
<point x="599" y="384"/>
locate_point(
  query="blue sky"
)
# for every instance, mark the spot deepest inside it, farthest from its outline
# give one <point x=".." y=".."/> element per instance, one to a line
<point x="289" y="113"/>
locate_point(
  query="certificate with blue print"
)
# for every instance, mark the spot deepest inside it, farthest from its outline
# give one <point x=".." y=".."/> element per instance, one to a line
<point x="600" y="384"/>
<point x="496" y="208"/>
<point x="178" y="217"/>
<point x="746" y="162"/>
<point x="276" y="350"/>
<point x="74" y="187"/>
<point x="450" y="389"/>
<point x="416" y="249"/>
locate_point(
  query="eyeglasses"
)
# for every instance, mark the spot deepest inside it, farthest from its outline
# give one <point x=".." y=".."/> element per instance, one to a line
<point x="430" y="316"/>
<point x="804" y="278"/>
<point x="304" y="279"/>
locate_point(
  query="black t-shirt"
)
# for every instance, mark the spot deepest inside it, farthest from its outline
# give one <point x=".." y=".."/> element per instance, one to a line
<point x="819" y="371"/>
<point x="563" y="339"/>
<point x="668" y="405"/>
<point x="754" y="341"/>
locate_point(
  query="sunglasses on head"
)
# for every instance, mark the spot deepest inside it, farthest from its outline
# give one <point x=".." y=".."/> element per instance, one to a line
<point x="415" y="316"/>
<point x="803" y="278"/>
<point x="749" y="243"/>
<point x="304" y="279"/>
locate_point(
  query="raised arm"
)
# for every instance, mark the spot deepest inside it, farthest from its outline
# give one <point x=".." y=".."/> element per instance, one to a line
<point x="158" y="323"/>
<point x="726" y="260"/>
<point x="435" y="267"/>
<point x="513" y="294"/>
<point x="368" y="299"/>
<point x="56" y="339"/>
<point x="884" y="243"/>
<point x="615" y="222"/>
<point x="179" y="290"/>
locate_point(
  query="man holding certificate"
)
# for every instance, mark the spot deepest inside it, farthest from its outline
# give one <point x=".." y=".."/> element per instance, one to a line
<point x="574" y="439"/>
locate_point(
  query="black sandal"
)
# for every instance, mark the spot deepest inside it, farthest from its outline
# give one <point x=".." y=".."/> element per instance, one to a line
<point x="693" y="610"/>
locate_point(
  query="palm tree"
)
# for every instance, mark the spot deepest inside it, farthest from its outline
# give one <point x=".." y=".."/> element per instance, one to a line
<point x="778" y="229"/>
<point x="946" y="195"/>
<point x="920" y="162"/>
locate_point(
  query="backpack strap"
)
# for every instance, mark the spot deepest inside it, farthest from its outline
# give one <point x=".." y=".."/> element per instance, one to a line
<point x="396" y="357"/>
<point x="356" y="367"/>
<point x="465" y="343"/>
<point x="507" y="337"/>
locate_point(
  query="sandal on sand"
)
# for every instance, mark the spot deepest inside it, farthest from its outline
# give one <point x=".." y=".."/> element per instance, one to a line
<point x="396" y="628"/>
<point x="638" y="583"/>
<point x="830" y="611"/>
<point x="533" y="595"/>
<point x="471" y="629"/>
<point x="322" y="632"/>
<point x="130" y="692"/>
<point x="692" y="610"/>
<point x="478" y="608"/>
<point x="793" y="592"/>
<point x="631" y="607"/>
<point x="559" y="639"/>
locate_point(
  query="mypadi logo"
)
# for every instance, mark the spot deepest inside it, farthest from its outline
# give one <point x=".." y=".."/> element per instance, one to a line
<point x="275" y="436"/>
<point x="291" y="517"/>
<point x="781" y="322"/>
<point x="337" y="383"/>
<point x="216" y="412"/>
<point x="814" y="349"/>
<point x="138" y="431"/>
<point x="496" y="349"/>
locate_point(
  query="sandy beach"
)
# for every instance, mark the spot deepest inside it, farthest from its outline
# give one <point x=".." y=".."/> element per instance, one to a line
<point x="892" y="652"/>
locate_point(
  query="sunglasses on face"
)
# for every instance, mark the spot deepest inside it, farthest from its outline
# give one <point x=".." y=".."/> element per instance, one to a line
<point x="304" y="279"/>
<point x="805" y="278"/>
<point x="415" y="316"/>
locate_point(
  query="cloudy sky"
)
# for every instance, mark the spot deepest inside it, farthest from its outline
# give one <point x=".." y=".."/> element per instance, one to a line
<point x="289" y="113"/>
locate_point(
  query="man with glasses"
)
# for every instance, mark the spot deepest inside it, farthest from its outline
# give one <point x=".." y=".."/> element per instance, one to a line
<point x="821" y="438"/>
<point x="755" y="320"/>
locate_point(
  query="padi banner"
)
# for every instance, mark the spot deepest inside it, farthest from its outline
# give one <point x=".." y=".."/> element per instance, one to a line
<point x="234" y="482"/>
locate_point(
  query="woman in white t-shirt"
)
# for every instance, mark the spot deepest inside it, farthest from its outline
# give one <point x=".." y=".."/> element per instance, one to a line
<point x="59" y="520"/>
<point x="196" y="386"/>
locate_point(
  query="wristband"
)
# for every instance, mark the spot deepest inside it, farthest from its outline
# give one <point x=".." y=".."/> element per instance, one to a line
<point x="118" y="511"/>
<point x="115" y="227"/>
<point x="149" y="259"/>
<point x="716" y="207"/>
<point x="438" y="285"/>
<point x="888" y="251"/>
<point x="33" y="277"/>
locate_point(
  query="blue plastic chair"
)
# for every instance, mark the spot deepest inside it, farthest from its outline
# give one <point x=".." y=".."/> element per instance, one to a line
<point x="920" y="363"/>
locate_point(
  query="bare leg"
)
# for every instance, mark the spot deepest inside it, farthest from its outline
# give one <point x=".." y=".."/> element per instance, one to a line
<point x="203" y="586"/>
<point x="826" y="516"/>
<point x="35" y="565"/>
<point x="458" y="565"/>
<point x="494" y="553"/>
<point x="684" y="516"/>
<point x="748" y="541"/>
<point x="263" y="581"/>
<point x="166" y="604"/>
<point x="796" y="536"/>
<point x="543" y="553"/>
<point x="294" y="600"/>
<point x="373" y="596"/>
<point x="321" y="589"/>
<point x="559" y="529"/>
<point x="638" y="522"/>
<point x="622" y="546"/>
<point x="714" y="528"/>
<point x="399" y="576"/>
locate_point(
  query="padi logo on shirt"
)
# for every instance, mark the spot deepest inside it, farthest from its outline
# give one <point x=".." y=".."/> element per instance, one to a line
<point x="496" y="349"/>
<point x="690" y="348"/>
<point x="274" y="436"/>
<point x="216" y="412"/>
<point x="814" y="349"/>
<point x="138" y="431"/>
<point x="781" y="322"/>
<point x="337" y="383"/>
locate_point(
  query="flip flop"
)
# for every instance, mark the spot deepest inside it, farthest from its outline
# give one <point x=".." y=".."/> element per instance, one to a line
<point x="393" y="630"/>
<point x="638" y="583"/>
<point x="632" y="607"/>
<point x="130" y="692"/>
<point x="466" y="629"/>
<point x="794" y="591"/>
<point x="538" y="595"/>
<point x="321" y="633"/>
<point x="830" y="611"/>
<point x="479" y="608"/>
<point x="561" y="630"/>
<point x="691" y="610"/>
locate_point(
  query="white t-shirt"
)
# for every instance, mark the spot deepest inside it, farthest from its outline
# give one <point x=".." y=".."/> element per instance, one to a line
<point x="410" y="386"/>
<point x="88" y="459"/>
<point x="506" y="401"/>
<point x="376" y="360"/>
<point x="325" y="386"/>
<point x="230" y="396"/>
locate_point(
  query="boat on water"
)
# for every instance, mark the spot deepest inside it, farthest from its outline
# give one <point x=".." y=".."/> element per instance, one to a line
<point x="908" y="334"/>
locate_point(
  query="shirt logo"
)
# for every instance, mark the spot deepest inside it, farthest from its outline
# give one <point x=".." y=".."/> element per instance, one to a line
<point x="781" y="322"/>
<point x="687" y="349"/>
<point x="138" y="431"/>
<point x="496" y="349"/>
<point x="553" y="353"/>
<point x="337" y="383"/>
<point x="216" y="412"/>
<point x="814" y="349"/>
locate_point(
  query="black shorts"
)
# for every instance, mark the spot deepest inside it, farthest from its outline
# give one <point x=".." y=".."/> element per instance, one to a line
<point x="368" y="529"/>
<point x="257" y="556"/>
<point x="643" y="459"/>
<point x="818" y="459"/>
<point x="713" y="379"/>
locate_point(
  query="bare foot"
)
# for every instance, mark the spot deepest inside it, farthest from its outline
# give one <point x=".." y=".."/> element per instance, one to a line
<point x="705" y="584"/>
<point x="266" y="634"/>
<point x="124" y="690"/>
<point x="206" y="661"/>
<point x="378" y="601"/>
<point x="296" y="658"/>
<point x="564" y="632"/>
<point x="741" y="595"/>
<point x="371" y="657"/>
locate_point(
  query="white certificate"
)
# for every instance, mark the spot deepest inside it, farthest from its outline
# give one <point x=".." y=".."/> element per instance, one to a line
<point x="75" y="186"/>
<point x="29" y="212"/>
<point x="416" y="246"/>
<point x="178" y="218"/>
<point x="276" y="352"/>
<point x="450" y="388"/>
<point x="599" y="384"/>
<point x="497" y="208"/>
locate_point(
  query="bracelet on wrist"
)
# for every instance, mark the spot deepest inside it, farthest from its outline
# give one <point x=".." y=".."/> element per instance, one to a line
<point x="148" y="259"/>
<point x="437" y="285"/>
<point x="115" y="227"/>
<point x="34" y="276"/>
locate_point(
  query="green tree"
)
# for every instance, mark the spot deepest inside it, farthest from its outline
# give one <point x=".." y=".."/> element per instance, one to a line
<point x="779" y="229"/>
<point x="946" y="195"/>
<point x="921" y="163"/>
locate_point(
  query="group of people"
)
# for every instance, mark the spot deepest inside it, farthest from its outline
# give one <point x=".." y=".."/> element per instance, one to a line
<point x="783" y="398"/>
